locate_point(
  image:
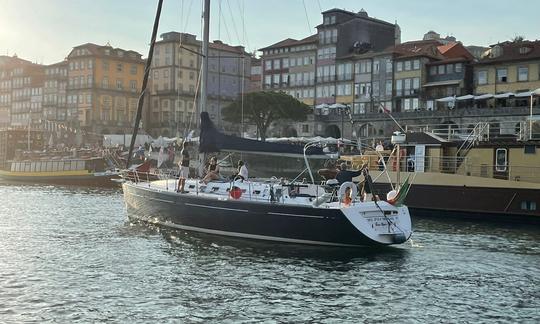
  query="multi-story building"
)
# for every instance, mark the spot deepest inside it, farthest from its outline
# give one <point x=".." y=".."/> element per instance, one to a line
<point x="103" y="88"/>
<point x="341" y="34"/>
<point x="508" y="68"/>
<point x="450" y="76"/>
<point x="229" y="73"/>
<point x="289" y="66"/>
<point x="175" y="79"/>
<point x="410" y="73"/>
<point x="55" y="92"/>
<point x="9" y="66"/>
<point x="255" y="83"/>
<point x="26" y="95"/>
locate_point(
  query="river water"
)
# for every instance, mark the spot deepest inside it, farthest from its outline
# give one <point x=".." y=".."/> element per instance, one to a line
<point x="69" y="255"/>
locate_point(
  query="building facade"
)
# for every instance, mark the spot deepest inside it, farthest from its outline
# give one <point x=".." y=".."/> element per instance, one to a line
<point x="104" y="84"/>
<point x="175" y="80"/>
<point x="508" y="68"/>
<point x="55" y="92"/>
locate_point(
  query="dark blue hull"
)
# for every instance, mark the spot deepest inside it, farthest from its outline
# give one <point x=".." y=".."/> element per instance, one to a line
<point x="253" y="220"/>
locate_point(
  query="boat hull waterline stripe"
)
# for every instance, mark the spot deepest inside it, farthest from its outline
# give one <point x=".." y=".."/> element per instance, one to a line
<point x="244" y="235"/>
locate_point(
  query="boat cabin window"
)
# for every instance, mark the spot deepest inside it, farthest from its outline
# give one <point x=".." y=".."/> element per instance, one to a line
<point x="501" y="157"/>
<point x="528" y="205"/>
<point x="530" y="149"/>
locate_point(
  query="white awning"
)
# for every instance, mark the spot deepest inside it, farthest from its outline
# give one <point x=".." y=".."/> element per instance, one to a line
<point x="465" y="97"/>
<point x="321" y="106"/>
<point x="524" y="94"/>
<point x="537" y="92"/>
<point x="446" y="99"/>
<point x="441" y="83"/>
<point x="337" y="106"/>
<point x="503" y="95"/>
<point x="483" y="97"/>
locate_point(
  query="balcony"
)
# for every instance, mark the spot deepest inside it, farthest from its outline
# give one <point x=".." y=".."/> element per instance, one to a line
<point x="375" y="115"/>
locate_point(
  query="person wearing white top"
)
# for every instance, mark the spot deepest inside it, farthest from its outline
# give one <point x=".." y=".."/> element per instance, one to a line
<point x="242" y="171"/>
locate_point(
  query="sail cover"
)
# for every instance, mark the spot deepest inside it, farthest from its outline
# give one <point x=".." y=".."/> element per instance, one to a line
<point x="212" y="140"/>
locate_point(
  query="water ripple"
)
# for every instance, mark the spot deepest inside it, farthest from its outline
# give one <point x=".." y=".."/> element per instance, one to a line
<point x="69" y="255"/>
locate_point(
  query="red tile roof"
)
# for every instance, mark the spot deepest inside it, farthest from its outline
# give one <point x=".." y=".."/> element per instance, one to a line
<point x="512" y="51"/>
<point x="291" y="42"/>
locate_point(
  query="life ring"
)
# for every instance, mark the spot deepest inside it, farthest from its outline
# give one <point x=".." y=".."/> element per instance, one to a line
<point x="235" y="192"/>
<point x="343" y="190"/>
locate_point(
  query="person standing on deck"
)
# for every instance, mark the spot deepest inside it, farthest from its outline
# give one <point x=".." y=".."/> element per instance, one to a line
<point x="184" y="167"/>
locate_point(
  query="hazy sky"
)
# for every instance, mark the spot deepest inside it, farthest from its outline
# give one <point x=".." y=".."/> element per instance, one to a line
<point x="44" y="31"/>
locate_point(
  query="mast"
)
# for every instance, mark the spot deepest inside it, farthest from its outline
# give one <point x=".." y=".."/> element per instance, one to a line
<point x="145" y="82"/>
<point x="206" y="37"/>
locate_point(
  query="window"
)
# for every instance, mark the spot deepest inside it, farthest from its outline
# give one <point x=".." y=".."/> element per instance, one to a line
<point x="267" y="65"/>
<point x="388" y="87"/>
<point x="192" y="75"/>
<point x="399" y="66"/>
<point x="275" y="79"/>
<point x="105" y="65"/>
<point x="416" y="83"/>
<point x="416" y="65"/>
<point x="449" y="68"/>
<point x="156" y="75"/>
<point x="376" y="89"/>
<point x="399" y="87"/>
<point x="482" y="77"/>
<point x="441" y="69"/>
<point x="500" y="160"/>
<point x="388" y="66"/>
<point x="305" y="128"/>
<point x="407" y="65"/>
<point x="376" y="66"/>
<point x="105" y="82"/>
<point x="119" y="67"/>
<point x="285" y="63"/>
<point x="502" y="75"/>
<point x="285" y="78"/>
<point x="292" y="61"/>
<point x="433" y="70"/>
<point x="523" y="73"/>
<point x="119" y="84"/>
<point x="277" y="65"/>
<point x="458" y="67"/>
<point x="133" y="69"/>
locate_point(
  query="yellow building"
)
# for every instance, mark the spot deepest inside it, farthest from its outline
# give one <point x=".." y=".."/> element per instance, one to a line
<point x="509" y="67"/>
<point x="104" y="84"/>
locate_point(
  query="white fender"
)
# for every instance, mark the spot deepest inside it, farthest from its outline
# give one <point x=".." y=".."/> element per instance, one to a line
<point x="343" y="188"/>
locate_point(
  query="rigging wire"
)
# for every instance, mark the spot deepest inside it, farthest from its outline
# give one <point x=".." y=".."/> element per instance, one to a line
<point x="233" y="21"/>
<point x="319" y="3"/>
<point x="307" y="17"/>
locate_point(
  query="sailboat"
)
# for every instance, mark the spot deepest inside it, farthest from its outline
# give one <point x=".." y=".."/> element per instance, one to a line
<point x="265" y="209"/>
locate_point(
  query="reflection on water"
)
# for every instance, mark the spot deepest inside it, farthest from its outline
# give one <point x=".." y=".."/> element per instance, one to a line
<point x="69" y="255"/>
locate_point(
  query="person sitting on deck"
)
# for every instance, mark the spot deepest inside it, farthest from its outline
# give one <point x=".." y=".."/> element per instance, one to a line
<point x="345" y="175"/>
<point x="242" y="172"/>
<point x="212" y="171"/>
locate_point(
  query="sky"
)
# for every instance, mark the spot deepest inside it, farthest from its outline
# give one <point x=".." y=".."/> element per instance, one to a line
<point x="44" y="31"/>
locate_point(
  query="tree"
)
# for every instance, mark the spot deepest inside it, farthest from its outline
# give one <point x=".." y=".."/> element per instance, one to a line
<point x="263" y="107"/>
<point x="518" y="39"/>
